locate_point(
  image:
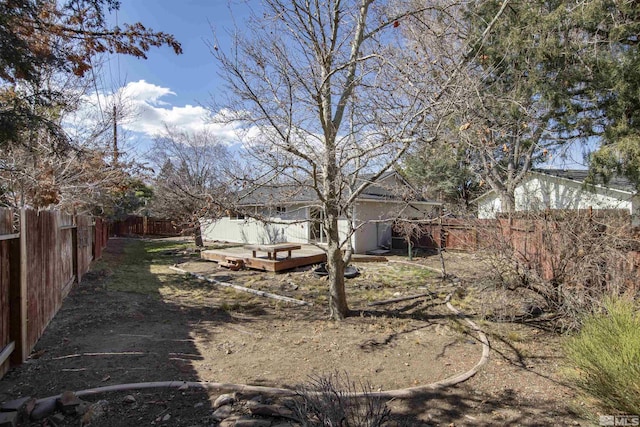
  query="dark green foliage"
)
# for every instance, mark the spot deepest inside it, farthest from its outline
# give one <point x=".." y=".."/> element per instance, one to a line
<point x="613" y="28"/>
<point x="515" y="89"/>
<point x="444" y="171"/>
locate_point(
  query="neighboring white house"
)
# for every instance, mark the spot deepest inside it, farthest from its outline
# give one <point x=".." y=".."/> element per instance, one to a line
<point x="564" y="189"/>
<point x="295" y="218"/>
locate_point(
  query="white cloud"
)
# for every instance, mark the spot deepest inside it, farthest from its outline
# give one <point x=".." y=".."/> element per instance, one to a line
<point x="148" y="109"/>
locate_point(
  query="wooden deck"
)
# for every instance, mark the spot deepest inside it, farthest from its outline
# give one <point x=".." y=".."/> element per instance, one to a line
<point x="306" y="255"/>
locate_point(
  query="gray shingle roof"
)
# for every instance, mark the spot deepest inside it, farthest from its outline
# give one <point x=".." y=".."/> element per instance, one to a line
<point x="580" y="175"/>
<point x="297" y="193"/>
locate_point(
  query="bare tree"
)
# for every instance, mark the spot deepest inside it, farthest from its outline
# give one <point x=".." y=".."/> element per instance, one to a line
<point x="509" y="93"/>
<point x="190" y="178"/>
<point x="321" y="88"/>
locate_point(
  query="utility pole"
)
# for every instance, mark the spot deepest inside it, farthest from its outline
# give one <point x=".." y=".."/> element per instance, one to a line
<point x="115" y="137"/>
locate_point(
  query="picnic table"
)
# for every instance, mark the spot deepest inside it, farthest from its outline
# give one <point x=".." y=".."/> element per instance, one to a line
<point x="272" y="250"/>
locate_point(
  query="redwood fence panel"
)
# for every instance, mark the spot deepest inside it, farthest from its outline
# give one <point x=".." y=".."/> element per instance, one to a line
<point x="85" y="242"/>
<point x="145" y="226"/>
<point x="50" y="267"/>
<point x="533" y="239"/>
<point x="7" y="236"/>
<point x="40" y="262"/>
<point x="453" y="234"/>
<point x="101" y="235"/>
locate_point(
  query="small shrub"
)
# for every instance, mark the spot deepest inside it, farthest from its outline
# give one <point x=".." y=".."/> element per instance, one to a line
<point x="331" y="401"/>
<point x="606" y="356"/>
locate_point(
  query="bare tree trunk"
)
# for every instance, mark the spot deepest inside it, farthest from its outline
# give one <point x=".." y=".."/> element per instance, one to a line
<point x="197" y="232"/>
<point x="338" y="308"/>
<point x="507" y="199"/>
<point x="444" y="269"/>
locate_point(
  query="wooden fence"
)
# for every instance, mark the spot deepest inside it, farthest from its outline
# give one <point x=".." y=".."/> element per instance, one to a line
<point x="453" y="234"/>
<point x="42" y="257"/>
<point x="145" y="226"/>
<point x="8" y="247"/>
<point x="535" y="240"/>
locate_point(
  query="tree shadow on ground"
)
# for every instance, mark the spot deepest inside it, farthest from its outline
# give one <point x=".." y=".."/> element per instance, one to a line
<point x="460" y="405"/>
<point x="104" y="337"/>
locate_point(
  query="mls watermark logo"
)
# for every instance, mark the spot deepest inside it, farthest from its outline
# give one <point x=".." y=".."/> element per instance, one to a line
<point x="620" y="420"/>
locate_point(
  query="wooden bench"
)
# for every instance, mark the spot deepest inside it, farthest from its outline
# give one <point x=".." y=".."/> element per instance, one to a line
<point x="272" y="250"/>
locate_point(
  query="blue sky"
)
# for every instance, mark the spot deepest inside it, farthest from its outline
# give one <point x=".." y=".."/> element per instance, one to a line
<point x="177" y="89"/>
<point x="192" y="75"/>
<point x="169" y="88"/>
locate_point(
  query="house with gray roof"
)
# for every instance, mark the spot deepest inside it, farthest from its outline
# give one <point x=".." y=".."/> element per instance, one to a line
<point x="565" y="189"/>
<point x="290" y="212"/>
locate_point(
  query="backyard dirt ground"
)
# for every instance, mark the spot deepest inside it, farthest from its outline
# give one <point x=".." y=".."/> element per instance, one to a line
<point x="160" y="325"/>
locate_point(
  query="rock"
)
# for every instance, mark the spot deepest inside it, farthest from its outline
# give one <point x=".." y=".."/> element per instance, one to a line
<point x="166" y="418"/>
<point x="224" y="399"/>
<point x="57" y="419"/>
<point x="229" y="422"/>
<point x="258" y="398"/>
<point x="271" y="411"/>
<point x="222" y="412"/>
<point x="251" y="422"/>
<point x="95" y="412"/>
<point x="43" y="410"/>
<point x="251" y="403"/>
<point x="68" y="402"/>
<point x="83" y="407"/>
<point x="15" y="405"/>
<point x="198" y="405"/>
<point x="9" y="419"/>
<point x="29" y="407"/>
<point x="129" y="399"/>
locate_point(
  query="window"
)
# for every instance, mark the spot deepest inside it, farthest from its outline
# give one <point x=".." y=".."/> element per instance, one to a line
<point x="281" y="210"/>
<point x="236" y="216"/>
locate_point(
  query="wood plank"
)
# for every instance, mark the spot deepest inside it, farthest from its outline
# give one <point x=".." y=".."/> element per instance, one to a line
<point x="6" y="352"/>
<point x="5" y="306"/>
<point x="299" y="259"/>
<point x="37" y="266"/>
<point x="274" y="247"/>
<point x="18" y="293"/>
<point x="7" y="239"/>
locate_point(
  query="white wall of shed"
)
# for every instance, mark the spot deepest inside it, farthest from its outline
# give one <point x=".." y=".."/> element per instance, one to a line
<point x="538" y="193"/>
<point x="489" y="206"/>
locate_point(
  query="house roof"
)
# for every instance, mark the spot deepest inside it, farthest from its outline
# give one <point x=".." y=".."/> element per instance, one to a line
<point x="580" y="175"/>
<point x="616" y="182"/>
<point x="296" y="193"/>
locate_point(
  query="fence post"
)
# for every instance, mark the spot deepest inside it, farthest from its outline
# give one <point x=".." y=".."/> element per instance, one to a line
<point x="18" y="293"/>
<point x="74" y="250"/>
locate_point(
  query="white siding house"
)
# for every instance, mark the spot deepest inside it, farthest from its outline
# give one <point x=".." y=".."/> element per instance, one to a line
<point x="296" y="220"/>
<point x="564" y="189"/>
